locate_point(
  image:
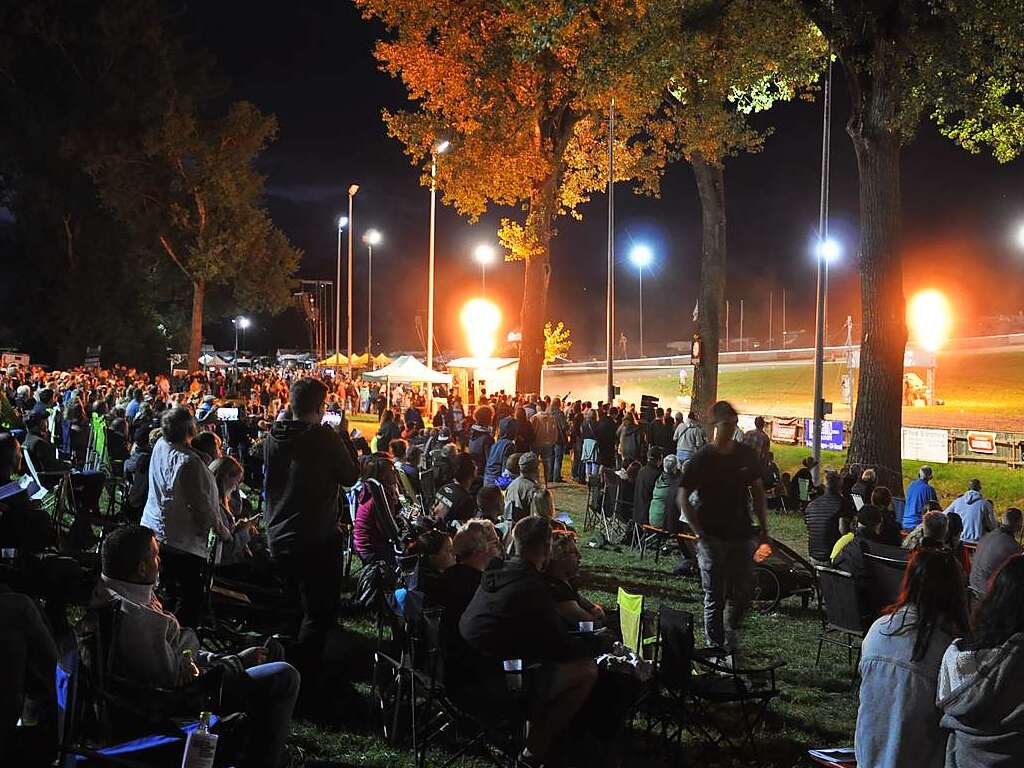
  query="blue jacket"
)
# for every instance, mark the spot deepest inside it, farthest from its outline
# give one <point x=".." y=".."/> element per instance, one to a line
<point x="496" y="459"/>
<point x="898" y="720"/>
<point x="977" y="515"/>
<point x="919" y="493"/>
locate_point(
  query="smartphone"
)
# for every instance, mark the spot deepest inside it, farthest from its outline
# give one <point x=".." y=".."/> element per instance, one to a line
<point x="227" y="414"/>
<point x="334" y="419"/>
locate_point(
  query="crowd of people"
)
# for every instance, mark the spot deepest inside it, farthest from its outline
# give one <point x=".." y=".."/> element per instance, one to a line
<point x="262" y="476"/>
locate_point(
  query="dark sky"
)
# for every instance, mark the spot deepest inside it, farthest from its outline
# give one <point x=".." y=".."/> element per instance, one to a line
<point x="311" y="64"/>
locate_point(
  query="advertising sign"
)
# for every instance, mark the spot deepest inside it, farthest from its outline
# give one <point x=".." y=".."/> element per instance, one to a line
<point x="925" y="444"/>
<point x="831" y="434"/>
<point x="982" y="442"/>
<point x="784" y="431"/>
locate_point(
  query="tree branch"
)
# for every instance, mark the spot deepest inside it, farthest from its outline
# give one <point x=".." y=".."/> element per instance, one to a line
<point x="174" y="257"/>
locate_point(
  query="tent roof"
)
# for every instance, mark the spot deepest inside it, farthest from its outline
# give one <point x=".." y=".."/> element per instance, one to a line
<point x="212" y="361"/>
<point x="358" y="361"/>
<point x="483" y="363"/>
<point x="406" y="369"/>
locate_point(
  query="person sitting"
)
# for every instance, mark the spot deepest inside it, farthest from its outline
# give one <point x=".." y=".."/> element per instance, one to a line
<point x="489" y="503"/>
<point x="954" y="529"/>
<point x="919" y="493"/>
<point x="560" y="573"/>
<point x="41" y="451"/>
<point x="645" y="481"/>
<point x="136" y="469"/>
<point x="513" y="616"/>
<point x="454" y="503"/>
<point x="931" y="533"/>
<point x="899" y="668"/>
<point x="520" y="491"/>
<point x="500" y="452"/>
<point x="238" y="550"/>
<point x="433" y="549"/>
<point x="181" y="509"/>
<point x="152" y="648"/>
<point x="663" y="511"/>
<point x="996" y="548"/>
<point x="850" y="556"/>
<point x="370" y="540"/>
<point x="889" y="533"/>
<point x="863" y="488"/>
<point x="981" y="678"/>
<point x="822" y="517"/>
<point x="977" y="513"/>
<point x="801" y="486"/>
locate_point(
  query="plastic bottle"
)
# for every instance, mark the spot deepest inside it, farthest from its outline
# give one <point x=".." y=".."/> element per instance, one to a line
<point x="201" y="746"/>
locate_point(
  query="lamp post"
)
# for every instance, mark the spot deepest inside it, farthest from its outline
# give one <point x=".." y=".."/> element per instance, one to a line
<point x="371" y="238"/>
<point x="351" y="222"/>
<point x="484" y="255"/>
<point x="641" y="256"/>
<point x="342" y="223"/>
<point x="436" y="150"/>
<point x="240" y="323"/>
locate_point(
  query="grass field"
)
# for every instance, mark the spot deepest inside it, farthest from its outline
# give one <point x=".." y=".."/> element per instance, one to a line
<point x="981" y="390"/>
<point x="817" y="706"/>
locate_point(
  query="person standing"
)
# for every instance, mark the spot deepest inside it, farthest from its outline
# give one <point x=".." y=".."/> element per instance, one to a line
<point x="545" y="430"/>
<point x="306" y="464"/>
<point x="689" y="437"/>
<point x="759" y="440"/>
<point x="563" y="440"/>
<point x="726" y="476"/>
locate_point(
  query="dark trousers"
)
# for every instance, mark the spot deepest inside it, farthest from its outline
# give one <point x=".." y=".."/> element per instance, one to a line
<point x="317" y="576"/>
<point x="183" y="576"/>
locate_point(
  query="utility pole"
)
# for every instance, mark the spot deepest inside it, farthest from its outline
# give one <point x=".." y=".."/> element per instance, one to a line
<point x="822" y="288"/>
<point x="728" y="346"/>
<point x="610" y="298"/>
<point x="771" y="339"/>
<point x="743" y="339"/>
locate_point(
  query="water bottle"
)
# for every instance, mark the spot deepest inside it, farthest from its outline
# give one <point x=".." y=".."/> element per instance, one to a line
<point x="201" y="746"/>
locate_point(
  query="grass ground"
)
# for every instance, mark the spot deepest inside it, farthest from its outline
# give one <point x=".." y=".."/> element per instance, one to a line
<point x="981" y="390"/>
<point x="817" y="706"/>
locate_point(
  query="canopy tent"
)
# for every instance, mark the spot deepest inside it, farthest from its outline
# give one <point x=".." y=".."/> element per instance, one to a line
<point x="341" y="361"/>
<point x="379" y="361"/>
<point x="406" y="369"/>
<point x="212" y="361"/>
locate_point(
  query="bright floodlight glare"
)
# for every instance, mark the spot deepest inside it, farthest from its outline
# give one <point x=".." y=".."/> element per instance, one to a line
<point x="1020" y="235"/>
<point x="480" y="319"/>
<point x="829" y="250"/>
<point x="372" y="237"/>
<point x="930" y="318"/>
<point x="243" y="323"/>
<point x="353" y="189"/>
<point x="342" y="222"/>
<point x="641" y="255"/>
<point x="442" y="147"/>
<point x="484" y="254"/>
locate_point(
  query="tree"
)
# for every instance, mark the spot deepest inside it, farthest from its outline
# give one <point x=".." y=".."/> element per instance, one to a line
<point x="964" y="64"/>
<point x="190" y="184"/>
<point x="521" y="89"/>
<point x="556" y="341"/>
<point x="728" y="61"/>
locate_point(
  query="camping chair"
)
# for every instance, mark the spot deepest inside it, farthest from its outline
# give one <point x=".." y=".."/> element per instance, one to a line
<point x="694" y="690"/>
<point x="427" y="491"/>
<point x="595" y="491"/>
<point x="116" y="483"/>
<point x="841" y="613"/>
<point x="883" y="577"/>
<point x="616" y="512"/>
<point x="633" y="623"/>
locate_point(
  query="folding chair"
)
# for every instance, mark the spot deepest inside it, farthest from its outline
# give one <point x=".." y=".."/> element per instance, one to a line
<point x="116" y="456"/>
<point x="841" y="612"/>
<point x="616" y="512"/>
<point x="427" y="490"/>
<point x="633" y="623"/>
<point x="595" y="491"/>
<point x="883" y="577"/>
<point x="692" y="698"/>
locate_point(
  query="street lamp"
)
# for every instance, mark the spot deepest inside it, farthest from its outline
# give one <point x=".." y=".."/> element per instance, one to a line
<point x="351" y="221"/>
<point x="342" y="223"/>
<point x="484" y="255"/>
<point x="437" y="149"/>
<point x="371" y="238"/>
<point x="641" y="256"/>
<point x="240" y="323"/>
<point x="827" y="251"/>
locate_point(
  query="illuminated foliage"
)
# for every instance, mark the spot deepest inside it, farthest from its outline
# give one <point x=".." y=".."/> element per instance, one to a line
<point x="556" y="341"/>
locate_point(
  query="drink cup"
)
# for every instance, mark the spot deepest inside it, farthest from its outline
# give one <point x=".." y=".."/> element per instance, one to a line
<point x="514" y="674"/>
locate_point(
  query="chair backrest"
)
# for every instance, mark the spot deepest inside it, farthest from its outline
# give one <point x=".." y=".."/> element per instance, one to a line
<point x="841" y="601"/>
<point x="383" y="513"/>
<point x="427" y="489"/>
<point x="631" y="619"/>
<point x="117" y="446"/>
<point x="675" y="644"/>
<point x="883" y="577"/>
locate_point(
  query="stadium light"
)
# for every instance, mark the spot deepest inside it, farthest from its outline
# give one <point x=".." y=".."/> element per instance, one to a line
<point x="342" y="222"/>
<point x="641" y="256"/>
<point x="372" y="237"/>
<point x="480" y="319"/>
<point x="484" y="255"/>
<point x="829" y="250"/>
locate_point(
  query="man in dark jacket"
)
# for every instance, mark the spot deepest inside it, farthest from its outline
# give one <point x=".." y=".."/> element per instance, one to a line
<point x="513" y="616"/>
<point x="822" y="518"/>
<point x="606" y="432"/>
<point x="643" y="489"/>
<point x="454" y="504"/>
<point x="994" y="549"/>
<point x="306" y="463"/>
<point x="660" y="433"/>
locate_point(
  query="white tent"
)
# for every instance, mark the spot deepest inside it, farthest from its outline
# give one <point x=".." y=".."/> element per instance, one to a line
<point x="212" y="361"/>
<point x="406" y="369"/>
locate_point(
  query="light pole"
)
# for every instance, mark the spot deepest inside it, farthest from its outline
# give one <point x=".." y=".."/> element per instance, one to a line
<point x="371" y="238"/>
<point x="240" y="323"/>
<point x="610" y="277"/>
<point x="484" y="255"/>
<point x="641" y="256"/>
<point x="351" y="222"/>
<point x="436" y="150"/>
<point x="342" y="223"/>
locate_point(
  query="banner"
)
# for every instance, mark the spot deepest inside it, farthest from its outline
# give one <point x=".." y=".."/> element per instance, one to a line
<point x="784" y="430"/>
<point x="982" y="442"/>
<point x="831" y="434"/>
<point x="925" y="444"/>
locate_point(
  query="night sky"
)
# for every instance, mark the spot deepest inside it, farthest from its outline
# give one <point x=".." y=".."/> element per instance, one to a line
<point x="311" y="64"/>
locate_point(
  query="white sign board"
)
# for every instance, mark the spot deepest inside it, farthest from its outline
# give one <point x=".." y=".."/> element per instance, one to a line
<point x="746" y="422"/>
<point x="925" y="445"/>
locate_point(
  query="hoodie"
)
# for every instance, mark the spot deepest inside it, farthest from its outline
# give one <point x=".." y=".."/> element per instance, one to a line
<point x="304" y="467"/>
<point x="976" y="513"/>
<point x="980" y="698"/>
<point x="513" y="616"/>
<point x="480" y="442"/>
<point x="496" y="459"/>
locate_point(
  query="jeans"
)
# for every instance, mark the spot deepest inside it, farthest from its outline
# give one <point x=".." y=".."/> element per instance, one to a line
<point x="317" y="574"/>
<point x="557" y="454"/>
<point x="727" y="576"/>
<point x="546" y="452"/>
<point x="267" y="694"/>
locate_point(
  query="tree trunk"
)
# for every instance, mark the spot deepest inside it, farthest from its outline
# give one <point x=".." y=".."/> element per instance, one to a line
<point x="711" y="188"/>
<point x="196" y="337"/>
<point x="878" y="418"/>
